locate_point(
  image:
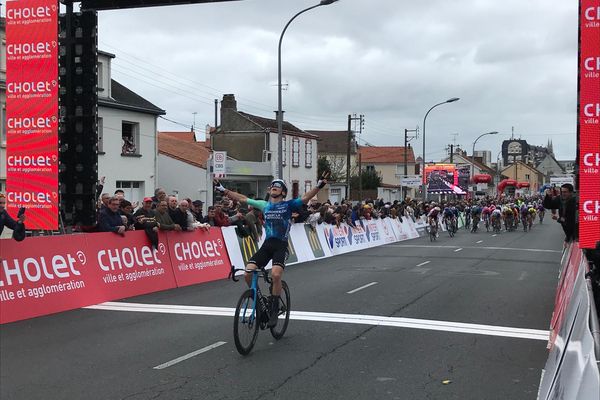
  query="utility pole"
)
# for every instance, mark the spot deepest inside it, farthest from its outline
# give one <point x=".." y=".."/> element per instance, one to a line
<point x="407" y="139"/>
<point x="350" y="137"/>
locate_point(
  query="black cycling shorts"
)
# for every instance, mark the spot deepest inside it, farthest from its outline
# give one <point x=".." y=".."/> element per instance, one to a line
<point x="272" y="249"/>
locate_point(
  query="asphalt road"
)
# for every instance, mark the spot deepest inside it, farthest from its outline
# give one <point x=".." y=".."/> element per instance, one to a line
<point x="461" y="318"/>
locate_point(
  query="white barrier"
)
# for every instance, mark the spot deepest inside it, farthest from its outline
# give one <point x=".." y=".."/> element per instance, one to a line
<point x="571" y="371"/>
<point x="307" y="243"/>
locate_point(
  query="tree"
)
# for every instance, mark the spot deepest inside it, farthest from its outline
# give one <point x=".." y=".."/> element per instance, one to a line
<point x="322" y="166"/>
<point x="370" y="180"/>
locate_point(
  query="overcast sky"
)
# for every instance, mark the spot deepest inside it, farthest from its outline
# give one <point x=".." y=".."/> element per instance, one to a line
<point x="513" y="63"/>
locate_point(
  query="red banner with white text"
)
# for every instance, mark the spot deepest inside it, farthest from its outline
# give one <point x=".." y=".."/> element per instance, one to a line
<point x="45" y="275"/>
<point x="589" y="123"/>
<point x="198" y="256"/>
<point x="32" y="110"/>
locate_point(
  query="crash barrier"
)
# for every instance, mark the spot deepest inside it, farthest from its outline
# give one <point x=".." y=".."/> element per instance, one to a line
<point x="572" y="371"/>
<point x="45" y="275"/>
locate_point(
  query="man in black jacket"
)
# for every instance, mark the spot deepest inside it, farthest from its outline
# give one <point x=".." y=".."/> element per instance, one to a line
<point x="110" y="220"/>
<point x="6" y="219"/>
<point x="566" y="204"/>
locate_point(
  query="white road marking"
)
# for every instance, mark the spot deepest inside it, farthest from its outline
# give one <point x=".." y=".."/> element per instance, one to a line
<point x="494" y="235"/>
<point x="423" y="263"/>
<point x="470" y="247"/>
<point x="362" y="287"/>
<point x="479" y="241"/>
<point x="400" y="322"/>
<point x="457" y="250"/>
<point x="421" y="271"/>
<point x="189" y="355"/>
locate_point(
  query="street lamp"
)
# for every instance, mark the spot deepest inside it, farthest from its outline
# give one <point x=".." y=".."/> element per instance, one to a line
<point x="279" y="110"/>
<point x="424" y="185"/>
<point x="473" y="152"/>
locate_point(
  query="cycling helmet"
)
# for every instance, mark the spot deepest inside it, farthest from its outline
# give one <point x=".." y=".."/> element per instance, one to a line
<point x="280" y="183"/>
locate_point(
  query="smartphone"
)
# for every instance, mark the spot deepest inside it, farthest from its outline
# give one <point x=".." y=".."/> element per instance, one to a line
<point x="21" y="211"/>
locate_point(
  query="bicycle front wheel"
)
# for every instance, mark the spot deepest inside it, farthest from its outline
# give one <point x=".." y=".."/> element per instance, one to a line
<point x="246" y="322"/>
<point x="284" y="312"/>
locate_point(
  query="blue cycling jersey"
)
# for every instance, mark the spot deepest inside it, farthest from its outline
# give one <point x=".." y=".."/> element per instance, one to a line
<point x="277" y="216"/>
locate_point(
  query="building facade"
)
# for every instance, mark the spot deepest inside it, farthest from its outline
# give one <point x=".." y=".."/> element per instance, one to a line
<point x="253" y="139"/>
<point x="522" y="172"/>
<point x="127" y="142"/>
<point x="390" y="163"/>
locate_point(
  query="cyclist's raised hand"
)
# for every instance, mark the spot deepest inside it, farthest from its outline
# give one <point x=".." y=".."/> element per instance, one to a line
<point x="218" y="186"/>
<point x="323" y="180"/>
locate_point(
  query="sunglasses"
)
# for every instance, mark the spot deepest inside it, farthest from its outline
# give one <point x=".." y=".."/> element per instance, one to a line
<point x="277" y="185"/>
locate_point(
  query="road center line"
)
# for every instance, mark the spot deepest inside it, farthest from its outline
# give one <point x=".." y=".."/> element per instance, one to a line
<point x="362" y="287"/>
<point x="189" y="355"/>
<point x="457" y="250"/>
<point x="423" y="263"/>
<point x="479" y="241"/>
<point x="446" y="326"/>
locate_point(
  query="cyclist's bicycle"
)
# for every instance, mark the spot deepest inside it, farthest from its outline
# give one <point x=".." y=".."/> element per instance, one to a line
<point x="475" y="224"/>
<point x="433" y="230"/>
<point x="541" y="214"/>
<point x="450" y="225"/>
<point x="467" y="220"/>
<point x="252" y="311"/>
<point x="496" y="224"/>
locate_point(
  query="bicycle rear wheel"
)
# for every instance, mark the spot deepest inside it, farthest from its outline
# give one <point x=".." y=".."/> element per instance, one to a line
<point x="284" y="311"/>
<point x="245" y="324"/>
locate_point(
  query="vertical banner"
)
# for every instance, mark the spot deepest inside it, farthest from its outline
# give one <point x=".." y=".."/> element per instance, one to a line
<point x="32" y="110"/>
<point x="589" y="123"/>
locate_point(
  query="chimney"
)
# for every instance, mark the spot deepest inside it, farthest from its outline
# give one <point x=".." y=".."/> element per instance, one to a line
<point x="228" y="104"/>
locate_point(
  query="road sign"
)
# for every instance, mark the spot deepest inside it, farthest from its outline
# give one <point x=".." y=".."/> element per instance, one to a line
<point x="219" y="164"/>
<point x="410" y="180"/>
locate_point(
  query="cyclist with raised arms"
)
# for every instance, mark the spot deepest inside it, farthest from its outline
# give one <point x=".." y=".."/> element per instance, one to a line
<point x="277" y="213"/>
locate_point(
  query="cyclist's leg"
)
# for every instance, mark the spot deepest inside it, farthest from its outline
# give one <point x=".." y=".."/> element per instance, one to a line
<point x="258" y="260"/>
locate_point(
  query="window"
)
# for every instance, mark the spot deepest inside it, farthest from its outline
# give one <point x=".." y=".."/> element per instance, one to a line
<point x="2" y="124"/>
<point x="284" y="150"/>
<point x="295" y="189"/>
<point x="308" y="153"/>
<point x="295" y="152"/>
<point x="399" y="169"/>
<point x="134" y="190"/>
<point x="526" y="177"/>
<point x="130" y="135"/>
<point x="307" y="186"/>
<point x="3" y="186"/>
<point x="100" y="135"/>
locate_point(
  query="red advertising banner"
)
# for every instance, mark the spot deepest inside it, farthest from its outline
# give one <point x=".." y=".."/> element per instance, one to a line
<point x="198" y="256"/>
<point x="32" y="110"/>
<point x="589" y="123"/>
<point x="45" y="275"/>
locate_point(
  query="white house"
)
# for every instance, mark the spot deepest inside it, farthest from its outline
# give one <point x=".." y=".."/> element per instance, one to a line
<point x="182" y="166"/>
<point x="127" y="144"/>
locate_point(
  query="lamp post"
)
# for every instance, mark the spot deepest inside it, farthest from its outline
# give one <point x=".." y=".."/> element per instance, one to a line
<point x="473" y="152"/>
<point x="279" y="110"/>
<point x="424" y="184"/>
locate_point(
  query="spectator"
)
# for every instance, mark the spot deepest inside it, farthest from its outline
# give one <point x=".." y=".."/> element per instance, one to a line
<point x="566" y="204"/>
<point x="126" y="211"/>
<point x="210" y="216"/>
<point x="180" y="215"/>
<point x="159" y="195"/>
<point x="110" y="219"/>
<point x="254" y="224"/>
<point x="172" y="206"/>
<point x="165" y="223"/>
<point x="144" y="220"/>
<point x="18" y="226"/>
<point x="104" y="198"/>
<point x="196" y="210"/>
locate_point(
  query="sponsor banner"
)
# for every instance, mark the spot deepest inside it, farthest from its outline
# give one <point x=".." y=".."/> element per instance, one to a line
<point x="312" y="236"/>
<point x="343" y="239"/>
<point x="129" y="266"/>
<point x="373" y="232"/>
<point x="32" y="110"/>
<point x="45" y="275"/>
<point x="198" y="256"/>
<point x="589" y="123"/>
<point x="387" y="232"/>
<point x="410" y="226"/>
<point x="399" y="229"/>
